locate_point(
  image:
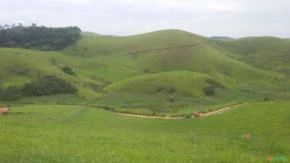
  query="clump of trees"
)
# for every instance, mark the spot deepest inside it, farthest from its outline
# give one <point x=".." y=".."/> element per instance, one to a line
<point x="11" y="93"/>
<point x="38" y="37"/>
<point x="48" y="85"/>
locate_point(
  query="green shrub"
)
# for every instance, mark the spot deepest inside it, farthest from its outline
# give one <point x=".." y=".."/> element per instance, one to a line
<point x="171" y="99"/>
<point x="187" y="116"/>
<point x="68" y="70"/>
<point x="159" y="89"/>
<point x="172" y="90"/>
<point x="48" y="85"/>
<point x="11" y="93"/>
<point x="215" y="83"/>
<point x="209" y="91"/>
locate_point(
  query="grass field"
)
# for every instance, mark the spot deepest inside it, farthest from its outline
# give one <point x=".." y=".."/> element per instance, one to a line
<point x="59" y="133"/>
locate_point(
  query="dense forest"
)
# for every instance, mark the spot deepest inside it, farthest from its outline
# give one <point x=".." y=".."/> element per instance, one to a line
<point x="38" y="37"/>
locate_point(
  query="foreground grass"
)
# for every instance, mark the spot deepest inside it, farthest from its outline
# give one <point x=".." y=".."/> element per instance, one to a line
<point x="54" y="133"/>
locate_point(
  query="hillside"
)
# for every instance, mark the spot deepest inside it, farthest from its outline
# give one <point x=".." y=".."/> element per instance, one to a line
<point x="187" y="83"/>
<point x="147" y="69"/>
<point x="222" y="38"/>
<point x="263" y="52"/>
<point x="161" y="51"/>
<point x="20" y="66"/>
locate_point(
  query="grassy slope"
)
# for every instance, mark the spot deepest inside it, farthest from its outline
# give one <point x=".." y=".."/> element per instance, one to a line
<point x="204" y="57"/>
<point x="104" y="45"/>
<point x="263" y="52"/>
<point x="19" y="66"/>
<point x="184" y="82"/>
<point x="117" y="62"/>
<point x="33" y="134"/>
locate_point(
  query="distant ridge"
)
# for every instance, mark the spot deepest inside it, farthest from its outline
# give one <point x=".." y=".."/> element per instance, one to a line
<point x="221" y="38"/>
<point x="90" y="34"/>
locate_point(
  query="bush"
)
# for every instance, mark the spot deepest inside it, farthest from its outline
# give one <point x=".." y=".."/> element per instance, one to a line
<point x="107" y="108"/>
<point x="172" y="90"/>
<point x="159" y="89"/>
<point x="215" y="83"/>
<point x="209" y="91"/>
<point x="188" y="116"/>
<point x="10" y="94"/>
<point x="171" y="99"/>
<point x="48" y="85"/>
<point x="68" y="70"/>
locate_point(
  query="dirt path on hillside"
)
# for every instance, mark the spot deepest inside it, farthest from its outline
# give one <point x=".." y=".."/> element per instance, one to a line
<point x="165" y="48"/>
<point x="149" y="116"/>
<point x="194" y="115"/>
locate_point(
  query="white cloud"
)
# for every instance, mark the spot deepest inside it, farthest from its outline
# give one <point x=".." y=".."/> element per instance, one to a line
<point x="206" y="17"/>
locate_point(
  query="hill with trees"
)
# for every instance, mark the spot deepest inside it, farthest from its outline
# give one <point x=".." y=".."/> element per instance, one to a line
<point x="38" y="37"/>
<point x="167" y="70"/>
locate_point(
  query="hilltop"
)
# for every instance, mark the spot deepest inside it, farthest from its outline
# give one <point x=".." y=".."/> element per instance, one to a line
<point x="222" y="38"/>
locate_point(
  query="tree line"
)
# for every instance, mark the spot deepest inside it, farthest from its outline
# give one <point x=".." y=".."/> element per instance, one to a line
<point x="38" y="37"/>
<point x="47" y="85"/>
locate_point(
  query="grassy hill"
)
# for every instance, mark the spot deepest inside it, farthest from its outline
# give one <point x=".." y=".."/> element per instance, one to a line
<point x="263" y="52"/>
<point x="20" y="66"/>
<point x="168" y="50"/>
<point x="168" y="73"/>
<point x="104" y="45"/>
<point x="187" y="83"/>
<point x="151" y="65"/>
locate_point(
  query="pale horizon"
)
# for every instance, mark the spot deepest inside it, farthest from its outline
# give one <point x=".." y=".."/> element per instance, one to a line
<point x="240" y="18"/>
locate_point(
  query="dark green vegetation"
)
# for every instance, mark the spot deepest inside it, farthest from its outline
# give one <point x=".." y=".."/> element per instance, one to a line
<point x="251" y="133"/>
<point x="47" y="85"/>
<point x="35" y="37"/>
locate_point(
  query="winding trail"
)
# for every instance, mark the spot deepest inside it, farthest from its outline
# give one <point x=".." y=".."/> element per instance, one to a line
<point x="194" y="115"/>
<point x="165" y="48"/>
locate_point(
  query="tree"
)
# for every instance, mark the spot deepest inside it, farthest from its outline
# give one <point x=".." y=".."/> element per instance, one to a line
<point x="38" y="37"/>
<point x="9" y="94"/>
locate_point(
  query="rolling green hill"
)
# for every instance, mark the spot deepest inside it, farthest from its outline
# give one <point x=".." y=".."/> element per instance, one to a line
<point x="149" y="65"/>
<point x="168" y="50"/>
<point x="187" y="83"/>
<point x="20" y="66"/>
<point x="263" y="52"/>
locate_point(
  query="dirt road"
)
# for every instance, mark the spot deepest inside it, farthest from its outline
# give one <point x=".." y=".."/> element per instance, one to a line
<point x="194" y="115"/>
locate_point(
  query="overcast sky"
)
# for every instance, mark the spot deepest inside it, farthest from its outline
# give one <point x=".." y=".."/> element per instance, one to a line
<point x="236" y="18"/>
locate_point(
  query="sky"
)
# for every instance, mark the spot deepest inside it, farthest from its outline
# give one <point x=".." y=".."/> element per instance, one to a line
<point x="234" y="18"/>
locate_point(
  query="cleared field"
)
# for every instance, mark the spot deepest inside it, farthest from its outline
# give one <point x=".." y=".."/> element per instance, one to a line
<point x="55" y="133"/>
